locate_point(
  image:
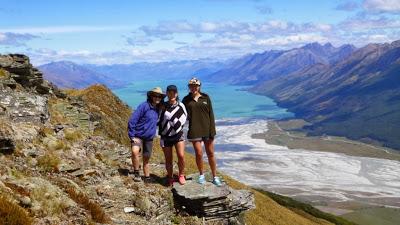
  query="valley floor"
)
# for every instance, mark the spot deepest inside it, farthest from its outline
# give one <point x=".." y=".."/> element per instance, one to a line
<point x="359" y="210"/>
<point x="285" y="133"/>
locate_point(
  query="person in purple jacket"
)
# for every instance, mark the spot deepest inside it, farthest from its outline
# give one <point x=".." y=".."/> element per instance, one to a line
<point x="141" y="130"/>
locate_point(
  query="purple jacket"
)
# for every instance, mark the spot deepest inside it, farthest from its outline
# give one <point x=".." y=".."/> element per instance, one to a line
<point x="143" y="122"/>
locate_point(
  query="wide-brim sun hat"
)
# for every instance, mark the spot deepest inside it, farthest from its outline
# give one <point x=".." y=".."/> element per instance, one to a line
<point x="194" y="81"/>
<point x="156" y="91"/>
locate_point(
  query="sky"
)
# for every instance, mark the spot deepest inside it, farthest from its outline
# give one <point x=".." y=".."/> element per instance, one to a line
<point x="129" y="31"/>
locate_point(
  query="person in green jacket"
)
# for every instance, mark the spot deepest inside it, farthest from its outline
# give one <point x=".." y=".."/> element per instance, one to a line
<point x="201" y="128"/>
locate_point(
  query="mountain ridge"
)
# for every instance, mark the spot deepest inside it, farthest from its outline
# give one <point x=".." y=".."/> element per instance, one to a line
<point x="67" y="74"/>
<point x="360" y="92"/>
<point x="257" y="67"/>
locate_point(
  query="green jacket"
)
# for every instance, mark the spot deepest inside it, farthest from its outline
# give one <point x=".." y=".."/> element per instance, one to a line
<point x="200" y="116"/>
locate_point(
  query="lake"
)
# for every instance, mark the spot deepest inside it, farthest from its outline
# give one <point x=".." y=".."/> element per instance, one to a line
<point x="228" y="101"/>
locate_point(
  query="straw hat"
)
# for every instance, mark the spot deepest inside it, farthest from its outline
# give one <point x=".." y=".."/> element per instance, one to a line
<point x="157" y="91"/>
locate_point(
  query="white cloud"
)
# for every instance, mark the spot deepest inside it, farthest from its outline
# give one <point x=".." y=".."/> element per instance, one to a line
<point x="270" y="27"/>
<point x="347" y="6"/>
<point x="369" y="22"/>
<point x="63" y="29"/>
<point x="382" y="5"/>
<point x="139" y="40"/>
<point x="15" y="39"/>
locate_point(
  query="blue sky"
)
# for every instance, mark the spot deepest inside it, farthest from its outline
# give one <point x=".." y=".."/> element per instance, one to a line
<point x="122" y="31"/>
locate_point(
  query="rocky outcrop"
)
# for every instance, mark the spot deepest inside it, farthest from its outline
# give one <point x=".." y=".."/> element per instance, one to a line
<point x="23" y="92"/>
<point x="213" y="203"/>
<point x="17" y="69"/>
<point x="24" y="106"/>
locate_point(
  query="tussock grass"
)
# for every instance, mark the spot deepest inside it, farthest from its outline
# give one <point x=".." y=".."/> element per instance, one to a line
<point x="96" y="211"/>
<point x="18" y="189"/>
<point x="3" y="73"/>
<point x="45" y="131"/>
<point x="60" y="145"/>
<point x="49" y="162"/>
<point x="56" y="117"/>
<point x="13" y="214"/>
<point x="17" y="174"/>
<point x="111" y="112"/>
<point x="72" y="135"/>
<point x="50" y="200"/>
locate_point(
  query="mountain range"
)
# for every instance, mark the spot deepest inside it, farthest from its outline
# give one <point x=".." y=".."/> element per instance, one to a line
<point x="254" y="68"/>
<point x="160" y="70"/>
<point x="66" y="74"/>
<point x="342" y="91"/>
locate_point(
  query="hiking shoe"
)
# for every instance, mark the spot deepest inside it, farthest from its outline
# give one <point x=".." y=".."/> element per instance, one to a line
<point x="217" y="181"/>
<point x="201" y="179"/>
<point x="182" y="179"/>
<point x="136" y="177"/>
<point x="147" y="180"/>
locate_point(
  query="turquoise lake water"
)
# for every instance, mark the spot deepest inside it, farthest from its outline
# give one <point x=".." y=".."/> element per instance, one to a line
<point x="228" y="101"/>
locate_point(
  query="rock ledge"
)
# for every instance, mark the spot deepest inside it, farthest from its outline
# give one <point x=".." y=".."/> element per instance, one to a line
<point x="211" y="202"/>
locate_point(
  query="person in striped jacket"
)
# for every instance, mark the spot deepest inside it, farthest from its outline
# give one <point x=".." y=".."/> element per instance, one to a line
<point x="172" y="120"/>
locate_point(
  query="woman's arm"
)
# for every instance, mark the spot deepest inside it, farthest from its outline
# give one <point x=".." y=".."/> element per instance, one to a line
<point x="213" y="132"/>
<point x="133" y="120"/>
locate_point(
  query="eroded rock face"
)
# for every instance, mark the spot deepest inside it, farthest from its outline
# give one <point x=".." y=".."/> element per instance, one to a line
<point x="222" y="204"/>
<point x="24" y="106"/>
<point x="22" y="72"/>
<point x="23" y="92"/>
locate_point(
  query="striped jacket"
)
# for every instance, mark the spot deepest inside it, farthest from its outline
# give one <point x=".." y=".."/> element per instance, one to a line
<point x="172" y="120"/>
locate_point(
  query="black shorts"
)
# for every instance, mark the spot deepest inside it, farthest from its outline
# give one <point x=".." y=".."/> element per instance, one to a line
<point x="201" y="139"/>
<point x="169" y="142"/>
<point x="145" y="145"/>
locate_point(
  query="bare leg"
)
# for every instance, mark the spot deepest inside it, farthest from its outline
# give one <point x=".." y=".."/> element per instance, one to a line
<point x="135" y="157"/>
<point x="168" y="160"/>
<point x="180" y="152"/>
<point x="146" y="169"/>
<point x="199" y="155"/>
<point x="209" y="145"/>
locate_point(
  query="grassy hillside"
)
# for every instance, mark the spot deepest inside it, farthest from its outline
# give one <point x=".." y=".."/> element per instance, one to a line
<point x="375" y="215"/>
<point x="104" y="106"/>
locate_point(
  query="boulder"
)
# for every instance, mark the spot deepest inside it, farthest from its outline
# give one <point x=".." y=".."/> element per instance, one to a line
<point x="211" y="202"/>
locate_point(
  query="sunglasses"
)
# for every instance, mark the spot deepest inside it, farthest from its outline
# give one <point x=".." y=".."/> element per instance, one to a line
<point x="157" y="96"/>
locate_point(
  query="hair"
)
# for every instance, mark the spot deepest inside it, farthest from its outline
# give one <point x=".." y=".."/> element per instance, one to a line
<point x="150" y="100"/>
<point x="199" y="89"/>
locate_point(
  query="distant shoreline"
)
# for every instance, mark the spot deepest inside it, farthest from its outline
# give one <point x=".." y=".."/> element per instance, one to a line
<point x="287" y="133"/>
